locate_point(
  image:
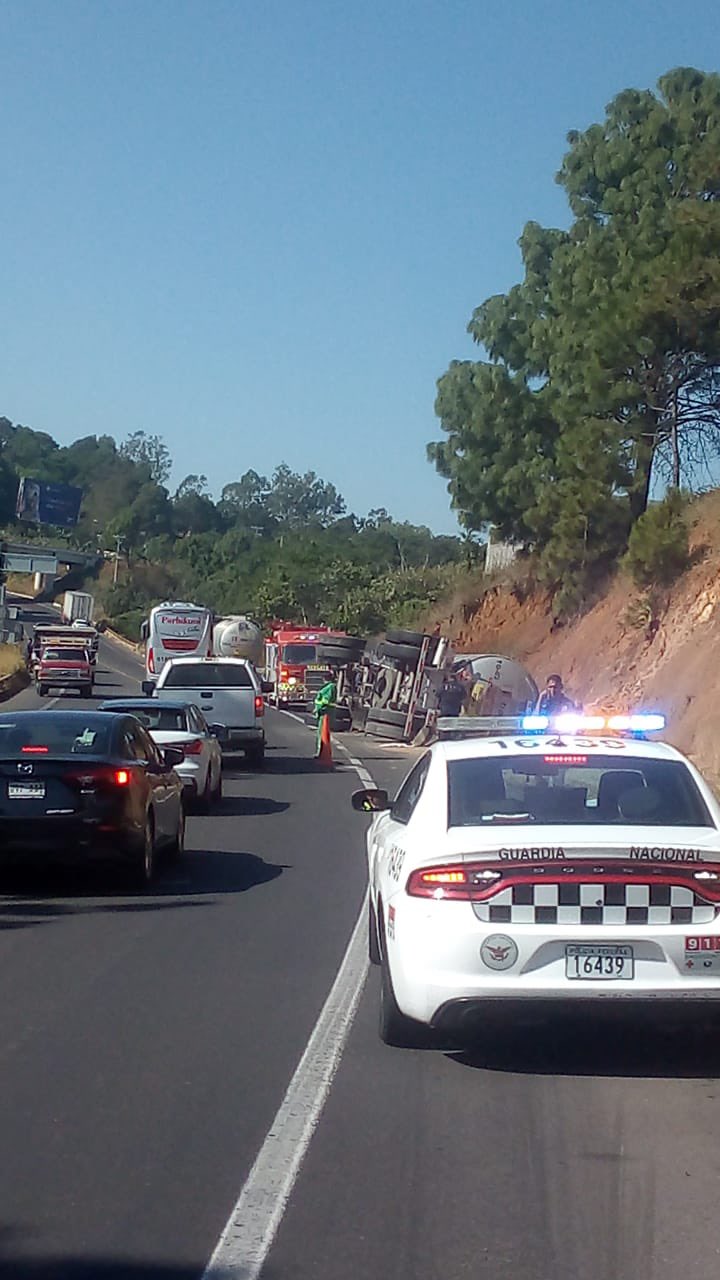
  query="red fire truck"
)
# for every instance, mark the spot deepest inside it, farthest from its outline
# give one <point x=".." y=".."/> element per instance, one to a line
<point x="292" y="663"/>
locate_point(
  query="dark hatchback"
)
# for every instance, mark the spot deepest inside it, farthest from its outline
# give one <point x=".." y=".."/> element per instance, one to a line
<point x="87" y="786"/>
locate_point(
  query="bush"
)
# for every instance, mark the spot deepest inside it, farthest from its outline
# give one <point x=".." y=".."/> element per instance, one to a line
<point x="128" y="624"/>
<point x="658" y="546"/>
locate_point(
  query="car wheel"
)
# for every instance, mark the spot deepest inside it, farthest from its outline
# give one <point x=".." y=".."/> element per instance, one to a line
<point x="395" y="1028"/>
<point x="205" y="800"/>
<point x="177" y="848"/>
<point x="144" y="869"/>
<point x="41" y="690"/>
<point x="86" y="691"/>
<point x="374" y="955"/>
<point x="218" y="792"/>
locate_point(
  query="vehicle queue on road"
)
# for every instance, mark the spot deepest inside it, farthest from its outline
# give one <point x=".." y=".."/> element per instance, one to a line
<point x="531" y="858"/>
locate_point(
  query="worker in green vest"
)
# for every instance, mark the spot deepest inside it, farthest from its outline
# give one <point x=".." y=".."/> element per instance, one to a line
<point x="325" y="700"/>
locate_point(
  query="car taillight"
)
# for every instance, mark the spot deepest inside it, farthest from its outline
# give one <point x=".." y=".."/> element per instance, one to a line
<point x="151" y="661"/>
<point x="193" y="746"/>
<point x="452" y="882"/>
<point x="90" y="779"/>
<point x="259" y="705"/>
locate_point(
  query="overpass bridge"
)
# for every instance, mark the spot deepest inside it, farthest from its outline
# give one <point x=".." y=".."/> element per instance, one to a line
<point x="32" y="557"/>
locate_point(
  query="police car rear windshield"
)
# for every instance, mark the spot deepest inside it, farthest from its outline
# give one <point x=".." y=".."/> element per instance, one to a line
<point x="633" y="791"/>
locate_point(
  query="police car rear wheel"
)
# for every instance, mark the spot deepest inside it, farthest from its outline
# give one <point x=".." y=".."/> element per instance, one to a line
<point x="374" y="955"/>
<point x="395" y="1028"/>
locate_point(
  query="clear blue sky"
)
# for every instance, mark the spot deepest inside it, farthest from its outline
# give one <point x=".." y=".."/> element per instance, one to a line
<point x="259" y="229"/>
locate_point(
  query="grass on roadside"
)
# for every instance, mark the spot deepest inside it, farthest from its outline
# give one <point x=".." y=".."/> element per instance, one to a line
<point x="11" y="659"/>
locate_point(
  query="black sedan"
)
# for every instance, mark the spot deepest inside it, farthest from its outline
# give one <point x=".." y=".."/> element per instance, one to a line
<point x="87" y="786"/>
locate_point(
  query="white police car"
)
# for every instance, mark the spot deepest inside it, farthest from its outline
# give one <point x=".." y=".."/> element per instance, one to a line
<point x="560" y="859"/>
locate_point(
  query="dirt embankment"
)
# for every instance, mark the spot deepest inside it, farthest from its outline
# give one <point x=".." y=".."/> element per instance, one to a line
<point x="658" y="649"/>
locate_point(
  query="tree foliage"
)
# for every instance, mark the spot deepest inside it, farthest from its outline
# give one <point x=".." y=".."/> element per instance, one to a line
<point x="603" y="369"/>
<point x="278" y="547"/>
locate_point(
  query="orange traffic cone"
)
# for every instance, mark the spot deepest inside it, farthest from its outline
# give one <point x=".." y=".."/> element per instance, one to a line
<point x="324" y="755"/>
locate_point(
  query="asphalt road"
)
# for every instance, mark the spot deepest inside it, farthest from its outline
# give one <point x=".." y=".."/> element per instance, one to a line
<point x="148" y="1041"/>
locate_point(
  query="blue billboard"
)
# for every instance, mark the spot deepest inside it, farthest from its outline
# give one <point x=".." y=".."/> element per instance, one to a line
<point x="40" y="502"/>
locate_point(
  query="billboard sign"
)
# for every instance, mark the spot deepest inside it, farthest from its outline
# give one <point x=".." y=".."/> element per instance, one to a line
<point x="39" y="502"/>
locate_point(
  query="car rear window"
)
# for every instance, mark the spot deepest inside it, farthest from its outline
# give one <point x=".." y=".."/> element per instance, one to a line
<point x="63" y="655"/>
<point x="54" y="735"/>
<point x="632" y="791"/>
<point x="207" y="675"/>
<point x="156" y="716"/>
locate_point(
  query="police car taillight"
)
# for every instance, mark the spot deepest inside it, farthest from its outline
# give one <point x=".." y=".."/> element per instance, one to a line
<point x="456" y="883"/>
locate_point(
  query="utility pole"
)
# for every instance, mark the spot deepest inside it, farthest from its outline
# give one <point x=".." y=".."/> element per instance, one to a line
<point x="118" y="544"/>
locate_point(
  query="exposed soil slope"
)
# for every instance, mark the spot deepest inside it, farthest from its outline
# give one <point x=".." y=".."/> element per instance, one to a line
<point x="664" y="655"/>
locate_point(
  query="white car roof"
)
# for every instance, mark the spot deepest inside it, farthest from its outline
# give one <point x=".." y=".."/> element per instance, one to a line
<point x="477" y="748"/>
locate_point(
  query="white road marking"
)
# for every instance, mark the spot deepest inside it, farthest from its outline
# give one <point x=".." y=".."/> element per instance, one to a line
<point x="293" y="716"/>
<point x="248" y="1236"/>
<point x="253" y="1224"/>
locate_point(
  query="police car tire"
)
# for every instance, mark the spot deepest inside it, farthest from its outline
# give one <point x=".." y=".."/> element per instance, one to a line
<point x="374" y="953"/>
<point x="396" y="1030"/>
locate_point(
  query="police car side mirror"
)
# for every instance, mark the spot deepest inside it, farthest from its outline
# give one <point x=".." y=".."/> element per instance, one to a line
<point x="371" y="800"/>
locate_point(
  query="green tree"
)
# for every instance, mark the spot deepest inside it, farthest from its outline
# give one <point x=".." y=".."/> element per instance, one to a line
<point x="604" y="363"/>
<point x="150" y="452"/>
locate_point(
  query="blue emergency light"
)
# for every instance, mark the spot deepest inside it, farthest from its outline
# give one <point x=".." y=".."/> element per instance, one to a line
<point x="576" y="722"/>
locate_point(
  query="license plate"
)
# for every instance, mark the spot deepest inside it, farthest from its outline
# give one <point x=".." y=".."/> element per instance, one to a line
<point x="26" y="790"/>
<point x="599" y="964"/>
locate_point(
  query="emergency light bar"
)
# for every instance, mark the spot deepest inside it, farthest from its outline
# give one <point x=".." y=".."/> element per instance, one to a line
<point x="567" y="722"/>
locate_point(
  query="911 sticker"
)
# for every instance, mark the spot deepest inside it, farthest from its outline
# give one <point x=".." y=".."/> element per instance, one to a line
<point x="702" y="954"/>
<point x="396" y="858"/>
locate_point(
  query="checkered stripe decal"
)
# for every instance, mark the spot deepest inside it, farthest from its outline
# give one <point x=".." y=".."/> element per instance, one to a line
<point x="596" y="904"/>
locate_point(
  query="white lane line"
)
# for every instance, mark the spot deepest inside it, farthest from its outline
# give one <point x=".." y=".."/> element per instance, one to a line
<point x="251" y="1228"/>
<point x="293" y="716"/>
<point x="253" y="1224"/>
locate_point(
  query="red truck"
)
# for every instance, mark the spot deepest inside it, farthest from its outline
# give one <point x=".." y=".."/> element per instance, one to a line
<point x="64" y="667"/>
<point x="293" y="665"/>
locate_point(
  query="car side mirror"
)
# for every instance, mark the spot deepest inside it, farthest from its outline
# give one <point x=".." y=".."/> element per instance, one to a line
<point x="173" y="756"/>
<point x="267" y="686"/>
<point x="371" y="800"/>
<point x="148" y="687"/>
<point x="219" y="731"/>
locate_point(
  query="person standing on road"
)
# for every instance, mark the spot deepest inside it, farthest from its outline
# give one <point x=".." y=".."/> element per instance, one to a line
<point x="325" y="700"/>
<point x="553" y="700"/>
<point x="450" y="697"/>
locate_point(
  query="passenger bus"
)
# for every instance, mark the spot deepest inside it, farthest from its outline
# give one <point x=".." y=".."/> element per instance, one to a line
<point x="175" y="630"/>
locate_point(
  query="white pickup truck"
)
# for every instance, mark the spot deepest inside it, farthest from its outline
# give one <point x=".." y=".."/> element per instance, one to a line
<point x="228" y="691"/>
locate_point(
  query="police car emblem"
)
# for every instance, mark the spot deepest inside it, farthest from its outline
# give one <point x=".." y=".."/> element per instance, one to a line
<point x="498" y="951"/>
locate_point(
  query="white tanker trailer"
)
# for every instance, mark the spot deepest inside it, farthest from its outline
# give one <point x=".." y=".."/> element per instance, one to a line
<point x="238" y="637"/>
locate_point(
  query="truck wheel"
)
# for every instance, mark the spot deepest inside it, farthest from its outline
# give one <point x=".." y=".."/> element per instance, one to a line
<point x="408" y="653"/>
<point x="41" y="690"/>
<point x="255" y="756"/>
<point x="86" y="691"/>
<point x="414" y="638"/>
